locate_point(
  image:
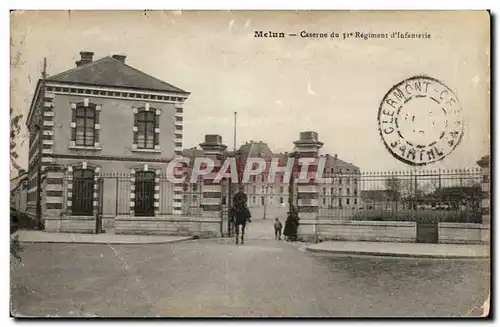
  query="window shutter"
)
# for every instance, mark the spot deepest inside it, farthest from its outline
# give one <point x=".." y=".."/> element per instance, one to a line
<point x="135" y="128"/>
<point x="96" y="130"/>
<point x="157" y="126"/>
<point x="73" y="120"/>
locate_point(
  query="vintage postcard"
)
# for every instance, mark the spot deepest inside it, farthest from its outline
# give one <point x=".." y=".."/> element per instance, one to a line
<point x="250" y="164"/>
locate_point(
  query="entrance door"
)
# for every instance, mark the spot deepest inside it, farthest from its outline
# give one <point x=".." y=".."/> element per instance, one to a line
<point x="144" y="193"/>
<point x="427" y="232"/>
<point x="82" y="201"/>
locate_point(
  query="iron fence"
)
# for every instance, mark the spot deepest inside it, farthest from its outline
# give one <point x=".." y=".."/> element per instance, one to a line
<point x="444" y="195"/>
<point x="440" y="195"/>
<point x="126" y="195"/>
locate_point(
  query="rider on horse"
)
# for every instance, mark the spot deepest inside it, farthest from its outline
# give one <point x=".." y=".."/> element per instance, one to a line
<point x="240" y="214"/>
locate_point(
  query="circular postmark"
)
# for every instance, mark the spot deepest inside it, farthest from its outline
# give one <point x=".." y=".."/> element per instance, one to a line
<point x="420" y="121"/>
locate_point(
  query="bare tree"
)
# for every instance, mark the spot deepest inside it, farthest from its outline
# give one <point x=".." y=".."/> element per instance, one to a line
<point x="393" y="186"/>
<point x="403" y="190"/>
<point x="15" y="128"/>
<point x="431" y="186"/>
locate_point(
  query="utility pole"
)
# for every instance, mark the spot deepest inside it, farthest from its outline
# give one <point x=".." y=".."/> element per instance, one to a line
<point x="230" y="180"/>
<point x="290" y="186"/>
<point x="266" y="185"/>
<point x="40" y="147"/>
<point x="234" y="133"/>
<point x="411" y="190"/>
<point x="266" y="199"/>
<point x="415" y="191"/>
<point x="439" y="172"/>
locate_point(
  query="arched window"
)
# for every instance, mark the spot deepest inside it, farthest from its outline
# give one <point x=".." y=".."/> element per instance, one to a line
<point x="146" y="122"/>
<point x="85" y="120"/>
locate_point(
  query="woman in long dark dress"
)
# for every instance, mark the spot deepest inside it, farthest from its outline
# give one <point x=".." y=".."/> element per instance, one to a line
<point x="291" y="225"/>
<point x="287" y="232"/>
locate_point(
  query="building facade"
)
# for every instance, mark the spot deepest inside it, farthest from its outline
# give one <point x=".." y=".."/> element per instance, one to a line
<point x="270" y="198"/>
<point x="19" y="191"/>
<point x="102" y="118"/>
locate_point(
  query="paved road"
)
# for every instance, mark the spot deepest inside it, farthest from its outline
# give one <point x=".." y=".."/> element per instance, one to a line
<point x="261" y="229"/>
<point x="216" y="277"/>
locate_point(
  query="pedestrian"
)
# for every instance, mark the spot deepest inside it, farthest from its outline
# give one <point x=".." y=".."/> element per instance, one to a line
<point x="288" y="232"/>
<point x="295" y="226"/>
<point x="240" y="213"/>
<point x="291" y="225"/>
<point x="277" y="229"/>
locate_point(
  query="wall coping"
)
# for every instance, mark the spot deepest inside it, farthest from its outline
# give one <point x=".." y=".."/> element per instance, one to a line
<point x="359" y="223"/>
<point x="462" y="225"/>
<point x="74" y="218"/>
<point x="168" y="219"/>
<point x="138" y="219"/>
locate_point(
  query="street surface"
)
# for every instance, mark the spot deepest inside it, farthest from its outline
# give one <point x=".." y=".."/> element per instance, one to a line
<point x="217" y="277"/>
<point x="261" y="229"/>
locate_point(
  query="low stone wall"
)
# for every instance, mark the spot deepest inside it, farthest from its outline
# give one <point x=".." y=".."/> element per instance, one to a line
<point x="271" y="212"/>
<point x="108" y="222"/>
<point x="485" y="234"/>
<point x="373" y="231"/>
<point x="462" y="233"/>
<point x="74" y="224"/>
<point x="186" y="226"/>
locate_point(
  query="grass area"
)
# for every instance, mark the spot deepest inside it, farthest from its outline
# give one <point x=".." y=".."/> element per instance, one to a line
<point x="455" y="216"/>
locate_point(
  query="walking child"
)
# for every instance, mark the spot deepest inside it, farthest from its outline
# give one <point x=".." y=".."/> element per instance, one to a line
<point x="277" y="229"/>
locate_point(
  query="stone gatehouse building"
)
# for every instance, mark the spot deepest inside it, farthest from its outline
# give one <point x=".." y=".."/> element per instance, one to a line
<point x="101" y="118"/>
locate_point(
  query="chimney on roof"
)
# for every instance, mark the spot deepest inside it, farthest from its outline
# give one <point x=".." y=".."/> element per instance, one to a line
<point x="85" y="58"/>
<point x="336" y="157"/>
<point x="119" y="57"/>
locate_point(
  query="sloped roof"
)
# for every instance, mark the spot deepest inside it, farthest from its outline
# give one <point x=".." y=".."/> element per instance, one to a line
<point x="111" y="72"/>
<point x="339" y="163"/>
<point x="379" y="195"/>
<point x="457" y="192"/>
<point x="192" y="153"/>
<point x="255" y="149"/>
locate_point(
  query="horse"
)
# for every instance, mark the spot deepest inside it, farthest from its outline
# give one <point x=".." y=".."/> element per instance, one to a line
<point x="240" y="214"/>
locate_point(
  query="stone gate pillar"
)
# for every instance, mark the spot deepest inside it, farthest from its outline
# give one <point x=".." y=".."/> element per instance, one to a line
<point x="211" y="202"/>
<point x="484" y="163"/>
<point x="53" y="197"/>
<point x="308" y="146"/>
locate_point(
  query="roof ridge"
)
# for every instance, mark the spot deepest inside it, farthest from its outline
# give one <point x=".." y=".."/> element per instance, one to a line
<point x="145" y="81"/>
<point x="78" y="67"/>
<point x="151" y="76"/>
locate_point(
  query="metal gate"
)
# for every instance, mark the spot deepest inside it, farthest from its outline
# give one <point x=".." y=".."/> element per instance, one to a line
<point x="99" y="214"/>
<point x="82" y="198"/>
<point x="144" y="193"/>
<point x="427" y="232"/>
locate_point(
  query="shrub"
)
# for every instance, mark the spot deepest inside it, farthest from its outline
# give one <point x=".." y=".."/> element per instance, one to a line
<point x="455" y="216"/>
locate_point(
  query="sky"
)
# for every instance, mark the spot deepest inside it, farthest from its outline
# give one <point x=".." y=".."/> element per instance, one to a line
<point x="278" y="86"/>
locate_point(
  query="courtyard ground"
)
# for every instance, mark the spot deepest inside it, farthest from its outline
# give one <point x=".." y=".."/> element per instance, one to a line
<point x="264" y="277"/>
